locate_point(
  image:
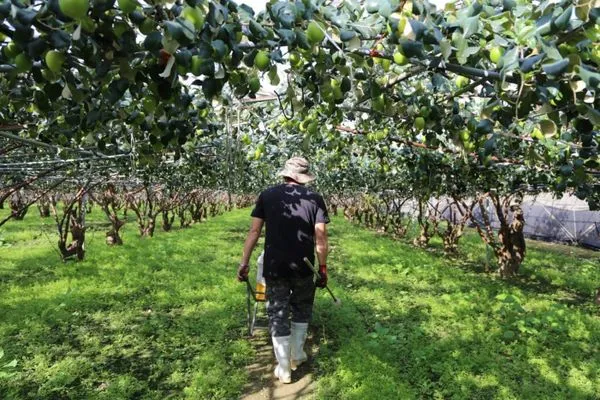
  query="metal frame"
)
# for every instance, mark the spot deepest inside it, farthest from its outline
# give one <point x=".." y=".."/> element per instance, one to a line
<point x="252" y="310"/>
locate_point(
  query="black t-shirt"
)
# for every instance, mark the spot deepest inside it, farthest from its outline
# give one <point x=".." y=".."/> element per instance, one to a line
<point x="290" y="213"/>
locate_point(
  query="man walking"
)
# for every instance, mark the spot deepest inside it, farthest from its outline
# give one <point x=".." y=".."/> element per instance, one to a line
<point x="295" y="219"/>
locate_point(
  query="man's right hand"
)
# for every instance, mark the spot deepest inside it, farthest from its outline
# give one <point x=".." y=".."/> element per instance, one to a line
<point x="242" y="273"/>
<point x="322" y="281"/>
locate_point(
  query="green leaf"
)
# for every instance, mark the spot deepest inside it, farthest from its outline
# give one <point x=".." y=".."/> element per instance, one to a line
<point x="60" y="39"/>
<point x="246" y="10"/>
<point x="470" y="26"/>
<point x="181" y="30"/>
<point x="372" y="6"/>
<point x="26" y="16"/>
<point x="556" y="68"/>
<point x="346" y="36"/>
<point x="544" y="25"/>
<point x="591" y="79"/>
<point x="5" y="7"/>
<point x="220" y="49"/>
<point x="368" y="27"/>
<point x="288" y="36"/>
<point x="41" y="101"/>
<point x="582" y="10"/>
<point x="561" y="22"/>
<point x="412" y="48"/>
<point x="53" y="91"/>
<point x="529" y="63"/>
<point x="274" y="76"/>
<point x="551" y="51"/>
<point x="153" y="41"/>
<point x="484" y="127"/>
<point x="284" y="12"/>
<point x="510" y="60"/>
<point x="117" y="89"/>
<point x="418" y="29"/>
<point x="257" y="30"/>
<point x="301" y="40"/>
<point x="446" y="49"/>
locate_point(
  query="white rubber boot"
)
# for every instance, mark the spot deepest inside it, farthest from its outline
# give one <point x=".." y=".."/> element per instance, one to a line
<point x="298" y="338"/>
<point x="281" y="348"/>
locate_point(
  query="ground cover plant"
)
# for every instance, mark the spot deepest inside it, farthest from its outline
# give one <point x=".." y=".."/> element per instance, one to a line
<point x="156" y="318"/>
<point x="164" y="318"/>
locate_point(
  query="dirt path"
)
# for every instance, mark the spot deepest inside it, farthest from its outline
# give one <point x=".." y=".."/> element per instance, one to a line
<point x="264" y="386"/>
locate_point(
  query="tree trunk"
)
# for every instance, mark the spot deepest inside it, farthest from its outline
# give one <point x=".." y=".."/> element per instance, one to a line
<point x="167" y="220"/>
<point x="18" y="207"/>
<point x="512" y="252"/>
<point x="426" y="231"/>
<point x="509" y="245"/>
<point x="113" y="238"/>
<point x="73" y="222"/>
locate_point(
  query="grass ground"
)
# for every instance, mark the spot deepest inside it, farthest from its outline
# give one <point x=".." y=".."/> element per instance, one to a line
<point x="164" y="318"/>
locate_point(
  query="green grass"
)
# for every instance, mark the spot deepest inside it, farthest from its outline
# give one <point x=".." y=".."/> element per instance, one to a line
<point x="156" y="318"/>
<point x="164" y="318"/>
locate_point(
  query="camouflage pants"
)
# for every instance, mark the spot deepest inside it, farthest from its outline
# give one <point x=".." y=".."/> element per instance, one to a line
<point x="285" y="295"/>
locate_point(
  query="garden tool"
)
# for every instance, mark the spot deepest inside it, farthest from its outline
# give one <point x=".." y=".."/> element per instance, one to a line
<point x="257" y="295"/>
<point x="317" y="276"/>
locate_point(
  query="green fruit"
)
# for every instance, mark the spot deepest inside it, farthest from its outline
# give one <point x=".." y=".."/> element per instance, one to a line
<point x="424" y="111"/>
<point x="194" y="15"/>
<point x="127" y="6"/>
<point x="378" y="103"/>
<point x="337" y="93"/>
<point x="420" y="123"/>
<point x="119" y="28"/>
<point x="54" y="60"/>
<point x="314" y="33"/>
<point x="496" y="54"/>
<point x="401" y="25"/>
<point x="295" y="60"/>
<point x="254" y="85"/>
<point x="461" y="81"/>
<point x="149" y="104"/>
<point x="76" y="9"/>
<point x="88" y="24"/>
<point x="465" y="135"/>
<point x="147" y="26"/>
<point x="537" y="134"/>
<point x="385" y="64"/>
<point x="49" y="75"/>
<point x="11" y="50"/>
<point x="23" y="62"/>
<point x="400" y="58"/>
<point x="196" y="67"/>
<point x="262" y="60"/>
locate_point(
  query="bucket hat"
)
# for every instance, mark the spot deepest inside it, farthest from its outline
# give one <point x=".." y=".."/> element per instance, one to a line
<point x="297" y="168"/>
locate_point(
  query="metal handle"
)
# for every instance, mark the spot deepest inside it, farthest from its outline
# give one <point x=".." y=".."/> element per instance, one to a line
<point x="317" y="275"/>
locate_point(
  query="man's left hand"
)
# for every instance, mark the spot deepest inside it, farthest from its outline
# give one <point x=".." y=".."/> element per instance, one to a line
<point x="242" y="273"/>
